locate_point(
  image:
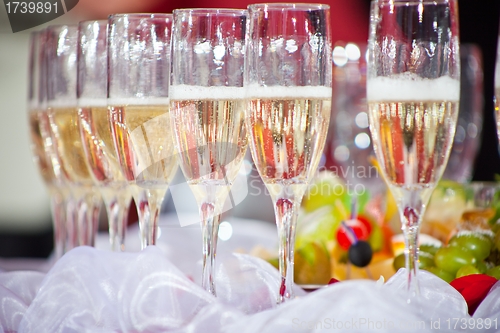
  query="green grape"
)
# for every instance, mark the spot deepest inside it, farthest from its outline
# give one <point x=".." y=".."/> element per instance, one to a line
<point x="451" y="258"/>
<point x="274" y="262"/>
<point x="431" y="249"/>
<point x="467" y="270"/>
<point x="481" y="267"/>
<point x="425" y="260"/>
<point x="496" y="240"/>
<point x="495" y="227"/>
<point x="441" y="273"/>
<point x="495" y="272"/>
<point x="478" y="245"/>
<point x="399" y="262"/>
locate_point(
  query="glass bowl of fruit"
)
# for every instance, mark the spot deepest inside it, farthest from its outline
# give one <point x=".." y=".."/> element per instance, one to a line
<point x="470" y="243"/>
<point x="344" y="233"/>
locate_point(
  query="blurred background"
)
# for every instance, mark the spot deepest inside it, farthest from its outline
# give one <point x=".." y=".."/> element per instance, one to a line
<point x="25" y="222"/>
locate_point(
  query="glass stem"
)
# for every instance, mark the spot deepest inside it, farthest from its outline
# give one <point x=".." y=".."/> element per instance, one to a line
<point x="209" y="229"/>
<point x="71" y="222"/>
<point x="117" y="200"/>
<point x="89" y="207"/>
<point x="412" y="207"/>
<point x="286" y="220"/>
<point x="124" y="200"/>
<point x="110" y="197"/>
<point x="411" y="259"/>
<point x="149" y="203"/>
<point x="58" y="208"/>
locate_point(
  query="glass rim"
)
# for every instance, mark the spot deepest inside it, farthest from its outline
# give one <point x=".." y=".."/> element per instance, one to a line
<point x="60" y="27"/>
<point x="92" y="21"/>
<point x="36" y="33"/>
<point x="87" y="22"/>
<point x="414" y="2"/>
<point x="206" y="11"/>
<point x="140" y="15"/>
<point x="288" y="6"/>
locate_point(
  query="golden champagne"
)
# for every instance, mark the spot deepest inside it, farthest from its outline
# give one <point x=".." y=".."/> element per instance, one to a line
<point x="497" y="107"/>
<point x="143" y="139"/>
<point x="413" y="123"/>
<point x="41" y="142"/>
<point x="64" y="124"/>
<point x="98" y="145"/>
<point x="211" y="139"/>
<point x="288" y="136"/>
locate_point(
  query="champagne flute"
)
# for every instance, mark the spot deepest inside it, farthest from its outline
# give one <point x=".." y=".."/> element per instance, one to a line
<point x="138" y="107"/>
<point x="288" y="77"/>
<point x="413" y="89"/>
<point x="41" y="141"/>
<point x="95" y="130"/>
<point x="61" y="48"/>
<point x="497" y="89"/>
<point x="207" y="105"/>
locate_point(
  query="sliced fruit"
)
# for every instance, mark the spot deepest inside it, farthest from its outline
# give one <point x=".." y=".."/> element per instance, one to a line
<point x="312" y="265"/>
<point x="447" y="203"/>
<point x="381" y="268"/>
<point x="319" y="225"/>
<point x="376" y="238"/>
<point x="323" y="191"/>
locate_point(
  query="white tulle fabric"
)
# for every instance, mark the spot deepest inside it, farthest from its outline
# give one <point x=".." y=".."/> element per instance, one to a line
<point x="90" y="290"/>
<point x="158" y="290"/>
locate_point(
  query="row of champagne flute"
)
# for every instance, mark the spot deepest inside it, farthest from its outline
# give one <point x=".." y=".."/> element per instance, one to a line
<point x="121" y="103"/>
<point x="55" y="139"/>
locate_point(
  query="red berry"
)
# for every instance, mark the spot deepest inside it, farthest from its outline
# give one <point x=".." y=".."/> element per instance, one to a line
<point x="366" y="223"/>
<point x="344" y="238"/>
<point x="333" y="280"/>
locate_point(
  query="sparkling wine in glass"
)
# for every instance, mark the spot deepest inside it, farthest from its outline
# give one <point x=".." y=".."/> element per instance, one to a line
<point x="208" y="112"/>
<point x="413" y="90"/>
<point x="95" y="129"/>
<point x="288" y="77"/>
<point x="41" y="140"/>
<point x="61" y="48"/>
<point x="138" y="106"/>
<point x="497" y="90"/>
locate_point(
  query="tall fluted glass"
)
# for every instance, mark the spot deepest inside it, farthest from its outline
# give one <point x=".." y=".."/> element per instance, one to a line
<point x="138" y="106"/>
<point x="61" y="50"/>
<point x="95" y="129"/>
<point x="288" y="77"/>
<point x="207" y="105"/>
<point x="413" y="90"/>
<point x="41" y="140"/>
<point x="497" y="89"/>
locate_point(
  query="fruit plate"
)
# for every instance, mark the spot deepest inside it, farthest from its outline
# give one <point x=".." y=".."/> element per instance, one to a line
<point x="459" y="233"/>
